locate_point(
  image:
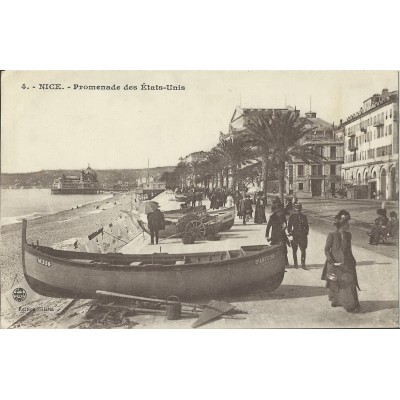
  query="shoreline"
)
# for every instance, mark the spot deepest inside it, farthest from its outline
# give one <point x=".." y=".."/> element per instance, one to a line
<point x="54" y="228"/>
<point x="10" y="220"/>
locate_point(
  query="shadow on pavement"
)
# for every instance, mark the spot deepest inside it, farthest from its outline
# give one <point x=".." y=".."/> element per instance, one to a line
<point x="283" y="292"/>
<point x="378" y="305"/>
<point x="362" y="263"/>
<point x="310" y="266"/>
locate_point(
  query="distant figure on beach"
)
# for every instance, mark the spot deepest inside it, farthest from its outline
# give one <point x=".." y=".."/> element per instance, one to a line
<point x="277" y="226"/>
<point x="340" y="267"/>
<point x="156" y="223"/>
<point x="298" y="229"/>
<point x="259" y="213"/>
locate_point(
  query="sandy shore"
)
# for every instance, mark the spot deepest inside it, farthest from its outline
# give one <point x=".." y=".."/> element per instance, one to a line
<point x="52" y="229"/>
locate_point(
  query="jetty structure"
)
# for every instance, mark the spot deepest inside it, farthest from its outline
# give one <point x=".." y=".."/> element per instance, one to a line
<point x="85" y="183"/>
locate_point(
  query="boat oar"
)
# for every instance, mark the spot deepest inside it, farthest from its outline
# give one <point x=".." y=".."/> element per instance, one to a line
<point x="128" y="296"/>
<point x="145" y="310"/>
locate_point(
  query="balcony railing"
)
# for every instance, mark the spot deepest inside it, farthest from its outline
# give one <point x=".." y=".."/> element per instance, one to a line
<point x="336" y="158"/>
<point x="378" y="123"/>
<point x="353" y="147"/>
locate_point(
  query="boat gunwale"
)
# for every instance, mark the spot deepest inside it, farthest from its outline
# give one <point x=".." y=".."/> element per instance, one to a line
<point x="104" y="265"/>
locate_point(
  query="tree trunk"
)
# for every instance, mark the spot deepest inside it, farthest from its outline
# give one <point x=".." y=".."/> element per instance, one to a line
<point x="221" y="179"/>
<point x="281" y="179"/>
<point x="233" y="179"/>
<point x="264" y="172"/>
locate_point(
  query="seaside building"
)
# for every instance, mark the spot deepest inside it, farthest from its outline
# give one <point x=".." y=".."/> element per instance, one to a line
<point x="372" y="147"/>
<point x="85" y="183"/>
<point x="317" y="179"/>
<point x="304" y="179"/>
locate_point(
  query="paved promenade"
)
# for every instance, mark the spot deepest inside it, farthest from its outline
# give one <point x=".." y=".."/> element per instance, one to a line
<point x="301" y="301"/>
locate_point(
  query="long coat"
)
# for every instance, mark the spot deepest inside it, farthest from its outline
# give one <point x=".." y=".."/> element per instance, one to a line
<point x="156" y="221"/>
<point x="298" y="227"/>
<point x="338" y="249"/>
<point x="278" y="225"/>
<point x="259" y="215"/>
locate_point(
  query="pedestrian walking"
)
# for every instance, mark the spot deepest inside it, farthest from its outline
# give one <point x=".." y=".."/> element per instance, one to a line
<point x="277" y="227"/>
<point x="229" y="200"/>
<point x="393" y="225"/>
<point x="380" y="231"/>
<point x="340" y="267"/>
<point x="298" y="230"/>
<point x="259" y="213"/>
<point x="246" y="208"/>
<point x="156" y="223"/>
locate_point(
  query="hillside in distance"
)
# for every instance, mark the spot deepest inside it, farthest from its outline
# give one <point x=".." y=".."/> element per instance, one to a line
<point x="45" y="178"/>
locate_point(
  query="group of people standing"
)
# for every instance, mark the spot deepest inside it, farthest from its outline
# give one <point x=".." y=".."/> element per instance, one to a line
<point x="297" y="229"/>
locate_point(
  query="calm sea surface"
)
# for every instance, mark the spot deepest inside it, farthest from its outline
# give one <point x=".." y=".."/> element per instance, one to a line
<point x="33" y="203"/>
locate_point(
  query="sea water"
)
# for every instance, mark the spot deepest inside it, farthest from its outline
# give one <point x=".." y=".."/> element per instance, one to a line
<point x="33" y="203"/>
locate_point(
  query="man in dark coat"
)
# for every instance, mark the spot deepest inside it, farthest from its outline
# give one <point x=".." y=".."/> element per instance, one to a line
<point x="298" y="230"/>
<point x="156" y="222"/>
<point x="277" y="226"/>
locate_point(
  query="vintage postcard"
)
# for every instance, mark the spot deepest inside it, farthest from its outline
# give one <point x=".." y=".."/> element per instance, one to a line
<point x="199" y="199"/>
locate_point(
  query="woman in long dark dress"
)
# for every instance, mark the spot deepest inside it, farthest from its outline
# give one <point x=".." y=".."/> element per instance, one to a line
<point x="277" y="225"/>
<point x="259" y="214"/>
<point x="340" y="267"/>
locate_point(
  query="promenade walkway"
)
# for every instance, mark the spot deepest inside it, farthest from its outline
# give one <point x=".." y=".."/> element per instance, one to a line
<point x="301" y="301"/>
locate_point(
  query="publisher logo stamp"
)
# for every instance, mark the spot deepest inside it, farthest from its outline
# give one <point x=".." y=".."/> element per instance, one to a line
<point x="19" y="294"/>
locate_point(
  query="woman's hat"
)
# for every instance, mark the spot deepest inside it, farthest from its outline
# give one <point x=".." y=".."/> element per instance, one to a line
<point x="342" y="216"/>
<point x="297" y="206"/>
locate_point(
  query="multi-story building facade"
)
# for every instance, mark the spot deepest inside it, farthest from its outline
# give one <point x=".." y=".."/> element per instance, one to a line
<point x="372" y="146"/>
<point x="317" y="179"/>
<point x="306" y="179"/>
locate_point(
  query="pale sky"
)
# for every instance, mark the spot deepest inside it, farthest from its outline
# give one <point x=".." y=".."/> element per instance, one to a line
<point x="68" y="129"/>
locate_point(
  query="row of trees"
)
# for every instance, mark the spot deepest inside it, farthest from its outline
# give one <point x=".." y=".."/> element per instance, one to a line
<point x="271" y="138"/>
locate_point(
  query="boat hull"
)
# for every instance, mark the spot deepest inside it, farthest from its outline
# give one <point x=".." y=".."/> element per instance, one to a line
<point x="59" y="273"/>
<point x="226" y="216"/>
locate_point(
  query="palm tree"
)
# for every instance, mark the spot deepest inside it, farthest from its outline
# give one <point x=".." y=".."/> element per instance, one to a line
<point x="278" y="135"/>
<point x="181" y="169"/>
<point x="235" y="153"/>
<point x="194" y="168"/>
<point x="215" y="161"/>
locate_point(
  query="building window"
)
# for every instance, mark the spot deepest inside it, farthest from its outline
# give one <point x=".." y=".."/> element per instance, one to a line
<point x="390" y="113"/>
<point x="300" y="186"/>
<point x="333" y="169"/>
<point x="333" y="152"/>
<point x="386" y="115"/>
<point x="300" y="170"/>
<point x="316" y="169"/>
<point x="390" y="129"/>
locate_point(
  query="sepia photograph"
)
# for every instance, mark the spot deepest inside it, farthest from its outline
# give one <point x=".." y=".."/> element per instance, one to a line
<point x="199" y="199"/>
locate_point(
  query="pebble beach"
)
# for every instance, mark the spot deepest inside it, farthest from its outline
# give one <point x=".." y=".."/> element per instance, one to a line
<point x="55" y="228"/>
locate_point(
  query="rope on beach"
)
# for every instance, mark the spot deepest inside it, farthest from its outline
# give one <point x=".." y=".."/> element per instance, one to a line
<point x="116" y="237"/>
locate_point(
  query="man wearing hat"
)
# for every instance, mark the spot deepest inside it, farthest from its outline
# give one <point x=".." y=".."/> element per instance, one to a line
<point x="156" y="222"/>
<point x="298" y="230"/>
<point x="277" y="227"/>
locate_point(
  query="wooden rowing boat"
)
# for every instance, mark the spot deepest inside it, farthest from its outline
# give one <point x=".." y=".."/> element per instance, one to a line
<point x="61" y="273"/>
<point x="224" y="215"/>
<point x="181" y="197"/>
